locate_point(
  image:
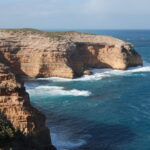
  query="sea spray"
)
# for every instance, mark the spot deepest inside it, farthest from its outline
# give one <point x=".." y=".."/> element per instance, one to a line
<point x="57" y="91"/>
<point x="99" y="74"/>
<point x="62" y="143"/>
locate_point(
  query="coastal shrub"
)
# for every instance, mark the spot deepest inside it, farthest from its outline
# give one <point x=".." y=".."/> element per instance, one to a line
<point x="7" y="133"/>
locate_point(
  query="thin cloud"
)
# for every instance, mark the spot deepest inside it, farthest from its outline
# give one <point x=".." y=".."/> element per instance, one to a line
<point x="75" y="14"/>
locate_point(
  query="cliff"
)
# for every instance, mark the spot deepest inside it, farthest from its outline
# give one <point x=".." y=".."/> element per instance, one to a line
<point x="15" y="106"/>
<point x="63" y="54"/>
<point x="34" y="53"/>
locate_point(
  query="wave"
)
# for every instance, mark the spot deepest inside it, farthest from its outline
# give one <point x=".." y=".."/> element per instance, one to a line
<point x="99" y="74"/>
<point x="64" y="144"/>
<point x="57" y="91"/>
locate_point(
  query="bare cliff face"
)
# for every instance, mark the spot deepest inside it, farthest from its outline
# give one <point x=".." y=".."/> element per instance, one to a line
<point x="15" y="106"/>
<point x="63" y="54"/>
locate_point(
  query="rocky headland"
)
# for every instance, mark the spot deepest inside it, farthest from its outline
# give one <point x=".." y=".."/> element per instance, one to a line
<point x="34" y="53"/>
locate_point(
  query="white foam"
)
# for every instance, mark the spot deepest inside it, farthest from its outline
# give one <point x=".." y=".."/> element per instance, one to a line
<point x="61" y="143"/>
<point x="98" y="74"/>
<point x="57" y="91"/>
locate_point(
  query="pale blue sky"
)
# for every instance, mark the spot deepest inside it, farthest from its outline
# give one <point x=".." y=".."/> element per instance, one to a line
<point x="75" y="14"/>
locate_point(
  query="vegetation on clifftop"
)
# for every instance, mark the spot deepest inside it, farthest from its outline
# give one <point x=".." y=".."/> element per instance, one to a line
<point x="51" y="34"/>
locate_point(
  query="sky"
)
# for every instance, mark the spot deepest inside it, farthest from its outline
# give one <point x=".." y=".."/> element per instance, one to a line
<point x="75" y="14"/>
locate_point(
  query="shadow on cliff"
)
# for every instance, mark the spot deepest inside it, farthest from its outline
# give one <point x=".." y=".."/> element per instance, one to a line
<point x="14" y="139"/>
<point x="15" y="67"/>
<point x="11" y="138"/>
<point x="100" y="136"/>
<point x="86" y="56"/>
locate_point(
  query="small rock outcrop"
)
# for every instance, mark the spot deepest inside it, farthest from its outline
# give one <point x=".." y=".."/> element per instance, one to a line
<point x="63" y="54"/>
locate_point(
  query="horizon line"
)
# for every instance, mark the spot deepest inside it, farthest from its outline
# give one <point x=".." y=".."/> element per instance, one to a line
<point x="72" y="28"/>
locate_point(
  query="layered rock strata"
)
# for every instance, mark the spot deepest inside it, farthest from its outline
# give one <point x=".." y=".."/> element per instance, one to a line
<point x="63" y="54"/>
<point x="15" y="105"/>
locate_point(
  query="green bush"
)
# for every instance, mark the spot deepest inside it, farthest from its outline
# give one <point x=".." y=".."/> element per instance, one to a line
<point x="7" y="133"/>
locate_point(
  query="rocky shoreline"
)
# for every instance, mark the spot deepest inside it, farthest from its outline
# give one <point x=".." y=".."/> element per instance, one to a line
<point x="34" y="53"/>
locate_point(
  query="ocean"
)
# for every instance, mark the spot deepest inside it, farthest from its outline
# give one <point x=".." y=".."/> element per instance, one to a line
<point x="109" y="110"/>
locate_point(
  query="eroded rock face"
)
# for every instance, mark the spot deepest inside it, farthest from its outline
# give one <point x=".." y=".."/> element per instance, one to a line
<point x="89" y="55"/>
<point x="15" y="105"/>
<point x="65" y="54"/>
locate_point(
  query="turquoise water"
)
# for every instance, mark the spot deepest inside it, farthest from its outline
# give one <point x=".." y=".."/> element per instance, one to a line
<point x="109" y="110"/>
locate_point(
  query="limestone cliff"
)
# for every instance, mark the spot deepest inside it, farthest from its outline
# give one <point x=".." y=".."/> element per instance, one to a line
<point x="34" y="53"/>
<point x="63" y="54"/>
<point x="15" y="106"/>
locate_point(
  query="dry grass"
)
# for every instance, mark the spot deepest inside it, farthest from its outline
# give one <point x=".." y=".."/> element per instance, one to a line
<point x="36" y="31"/>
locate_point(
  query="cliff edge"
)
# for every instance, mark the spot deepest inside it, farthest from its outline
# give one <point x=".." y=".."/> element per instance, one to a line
<point x="36" y="53"/>
<point x="15" y="106"/>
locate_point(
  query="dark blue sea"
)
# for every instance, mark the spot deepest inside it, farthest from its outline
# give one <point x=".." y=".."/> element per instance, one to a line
<point x="109" y="110"/>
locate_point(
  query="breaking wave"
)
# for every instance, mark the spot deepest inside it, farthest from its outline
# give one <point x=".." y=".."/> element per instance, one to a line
<point x="98" y="74"/>
<point x="64" y="144"/>
<point x="57" y="91"/>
